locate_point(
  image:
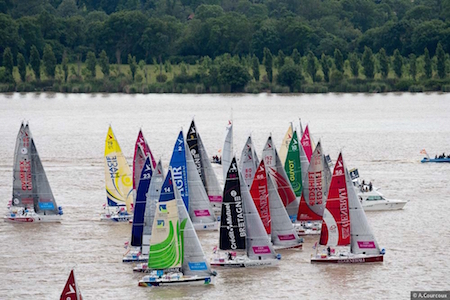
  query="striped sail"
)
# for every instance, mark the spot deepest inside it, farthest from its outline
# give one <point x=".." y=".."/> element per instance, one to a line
<point x="283" y="232"/>
<point x="275" y="168"/>
<point x="285" y="143"/>
<point x="22" y="195"/>
<point x="118" y="178"/>
<point x="336" y="218"/>
<point x="165" y="244"/>
<point x="154" y="191"/>
<point x="137" y="228"/>
<point x="227" y="152"/>
<point x="249" y="162"/>
<point x="293" y="166"/>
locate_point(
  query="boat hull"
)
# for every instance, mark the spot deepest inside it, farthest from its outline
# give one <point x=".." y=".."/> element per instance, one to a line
<point x="244" y="263"/>
<point x="33" y="219"/>
<point x="383" y="205"/>
<point x="116" y="218"/>
<point x="135" y="258"/>
<point x="293" y="247"/>
<point x="206" y="226"/>
<point x="191" y="280"/>
<point x="436" y="160"/>
<point x="348" y="259"/>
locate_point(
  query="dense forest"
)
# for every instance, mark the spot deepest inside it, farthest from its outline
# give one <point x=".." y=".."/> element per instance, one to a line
<point x="224" y="45"/>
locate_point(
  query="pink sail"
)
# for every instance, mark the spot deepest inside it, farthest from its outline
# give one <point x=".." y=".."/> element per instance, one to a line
<point x="142" y="142"/>
<point x="70" y="291"/>
<point x="306" y="143"/>
<point x="336" y="217"/>
<point x="260" y="195"/>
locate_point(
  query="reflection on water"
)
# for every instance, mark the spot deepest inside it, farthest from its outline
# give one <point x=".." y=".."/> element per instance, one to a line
<point x="381" y="135"/>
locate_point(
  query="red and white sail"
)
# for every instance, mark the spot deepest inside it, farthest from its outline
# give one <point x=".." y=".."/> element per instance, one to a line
<point x="71" y="291"/>
<point x="336" y="216"/>
<point x="142" y="142"/>
<point x="249" y="162"/>
<point x="260" y="195"/>
<point x="307" y="143"/>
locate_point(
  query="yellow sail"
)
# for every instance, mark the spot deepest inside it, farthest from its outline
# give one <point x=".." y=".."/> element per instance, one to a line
<point x="118" y="179"/>
<point x="285" y="144"/>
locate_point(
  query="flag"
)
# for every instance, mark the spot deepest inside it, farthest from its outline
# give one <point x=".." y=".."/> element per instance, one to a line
<point x="423" y="152"/>
<point x="126" y="244"/>
<point x="215" y="249"/>
<point x="315" y="246"/>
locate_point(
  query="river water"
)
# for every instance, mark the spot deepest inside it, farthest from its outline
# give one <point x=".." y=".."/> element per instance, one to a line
<point x="381" y="135"/>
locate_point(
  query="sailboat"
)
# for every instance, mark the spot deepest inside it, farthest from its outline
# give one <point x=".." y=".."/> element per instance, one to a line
<point x="285" y="143"/>
<point x="314" y="195"/>
<point x="293" y="165"/>
<point x="137" y="229"/>
<point x="345" y="225"/>
<point x="118" y="182"/>
<point x="282" y="184"/>
<point x="249" y="162"/>
<point x="32" y="197"/>
<point x="176" y="256"/>
<point x="71" y="290"/>
<point x="273" y="215"/>
<point x="241" y="228"/>
<point x="191" y="187"/>
<point x="204" y="167"/>
<point x="227" y="152"/>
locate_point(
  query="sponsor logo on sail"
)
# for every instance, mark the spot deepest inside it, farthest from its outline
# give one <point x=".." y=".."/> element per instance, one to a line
<point x="160" y="224"/>
<point x="25" y="175"/>
<point x="112" y="163"/>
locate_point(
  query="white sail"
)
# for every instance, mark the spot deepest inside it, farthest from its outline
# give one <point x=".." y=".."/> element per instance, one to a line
<point x="362" y="237"/>
<point x="249" y="162"/>
<point x="227" y="151"/>
<point x="150" y="207"/>
<point x="258" y="245"/>
<point x="285" y="143"/>
<point x="212" y="185"/>
<point x="200" y="209"/>
<point x="283" y="232"/>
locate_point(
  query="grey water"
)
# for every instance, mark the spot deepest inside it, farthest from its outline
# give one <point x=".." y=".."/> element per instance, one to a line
<point x="381" y="135"/>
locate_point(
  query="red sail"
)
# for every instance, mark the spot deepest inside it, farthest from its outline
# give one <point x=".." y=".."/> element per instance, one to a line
<point x="305" y="213"/>
<point x="70" y="291"/>
<point x="140" y="141"/>
<point x="260" y="195"/>
<point x="336" y="217"/>
<point x="306" y="143"/>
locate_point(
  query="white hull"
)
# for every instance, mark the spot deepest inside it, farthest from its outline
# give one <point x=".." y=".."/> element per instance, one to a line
<point x="292" y="247"/>
<point x="347" y="259"/>
<point x="383" y="205"/>
<point x="116" y="217"/>
<point x="35" y="218"/>
<point x="133" y="256"/>
<point x="183" y="280"/>
<point x="242" y="262"/>
<point x="206" y="226"/>
<point x="308" y="228"/>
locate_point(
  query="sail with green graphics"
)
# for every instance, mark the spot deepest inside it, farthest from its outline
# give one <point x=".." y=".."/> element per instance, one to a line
<point x="292" y="165"/>
<point x="165" y="244"/>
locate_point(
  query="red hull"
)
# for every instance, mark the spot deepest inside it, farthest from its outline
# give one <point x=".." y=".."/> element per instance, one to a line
<point x="355" y="260"/>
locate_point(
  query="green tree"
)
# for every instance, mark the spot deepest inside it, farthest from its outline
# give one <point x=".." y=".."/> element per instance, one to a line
<point x="22" y="66"/>
<point x="354" y="64"/>
<point x="290" y="75"/>
<point x="65" y="67"/>
<point x="281" y="59"/>
<point x="427" y="60"/>
<point x="368" y="63"/>
<point x="413" y="66"/>
<point x="339" y="60"/>
<point x="233" y="74"/>
<point x="311" y="66"/>
<point x="325" y="63"/>
<point x="296" y="56"/>
<point x="91" y="63"/>
<point x="133" y="65"/>
<point x="398" y="63"/>
<point x="440" y="61"/>
<point x="8" y="61"/>
<point x="49" y="61"/>
<point x="103" y="61"/>
<point x="35" y="62"/>
<point x="384" y="63"/>
<point x="255" y="67"/>
<point x="143" y="68"/>
<point x="67" y="8"/>
<point x="268" y="63"/>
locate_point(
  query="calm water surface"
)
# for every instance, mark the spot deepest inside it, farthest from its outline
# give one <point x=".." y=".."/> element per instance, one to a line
<point x="381" y="135"/>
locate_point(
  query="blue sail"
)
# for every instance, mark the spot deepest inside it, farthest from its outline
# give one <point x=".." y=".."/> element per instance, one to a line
<point x="178" y="164"/>
<point x="141" y="199"/>
<point x="167" y="192"/>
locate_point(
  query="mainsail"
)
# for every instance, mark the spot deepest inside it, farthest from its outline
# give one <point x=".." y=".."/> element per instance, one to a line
<point x="285" y="143"/>
<point x="118" y="178"/>
<point x="275" y="168"/>
<point x="192" y="142"/>
<point x="154" y="191"/>
<point x="336" y="218"/>
<point x="166" y="244"/>
<point x="293" y="166"/>
<point x="141" y="200"/>
<point x="260" y="195"/>
<point x="141" y="141"/>
<point x="71" y="290"/>
<point x="138" y="165"/>
<point x="315" y="189"/>
<point x="179" y="168"/>
<point x="232" y="223"/>
<point x="249" y="162"/>
<point x="227" y="152"/>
